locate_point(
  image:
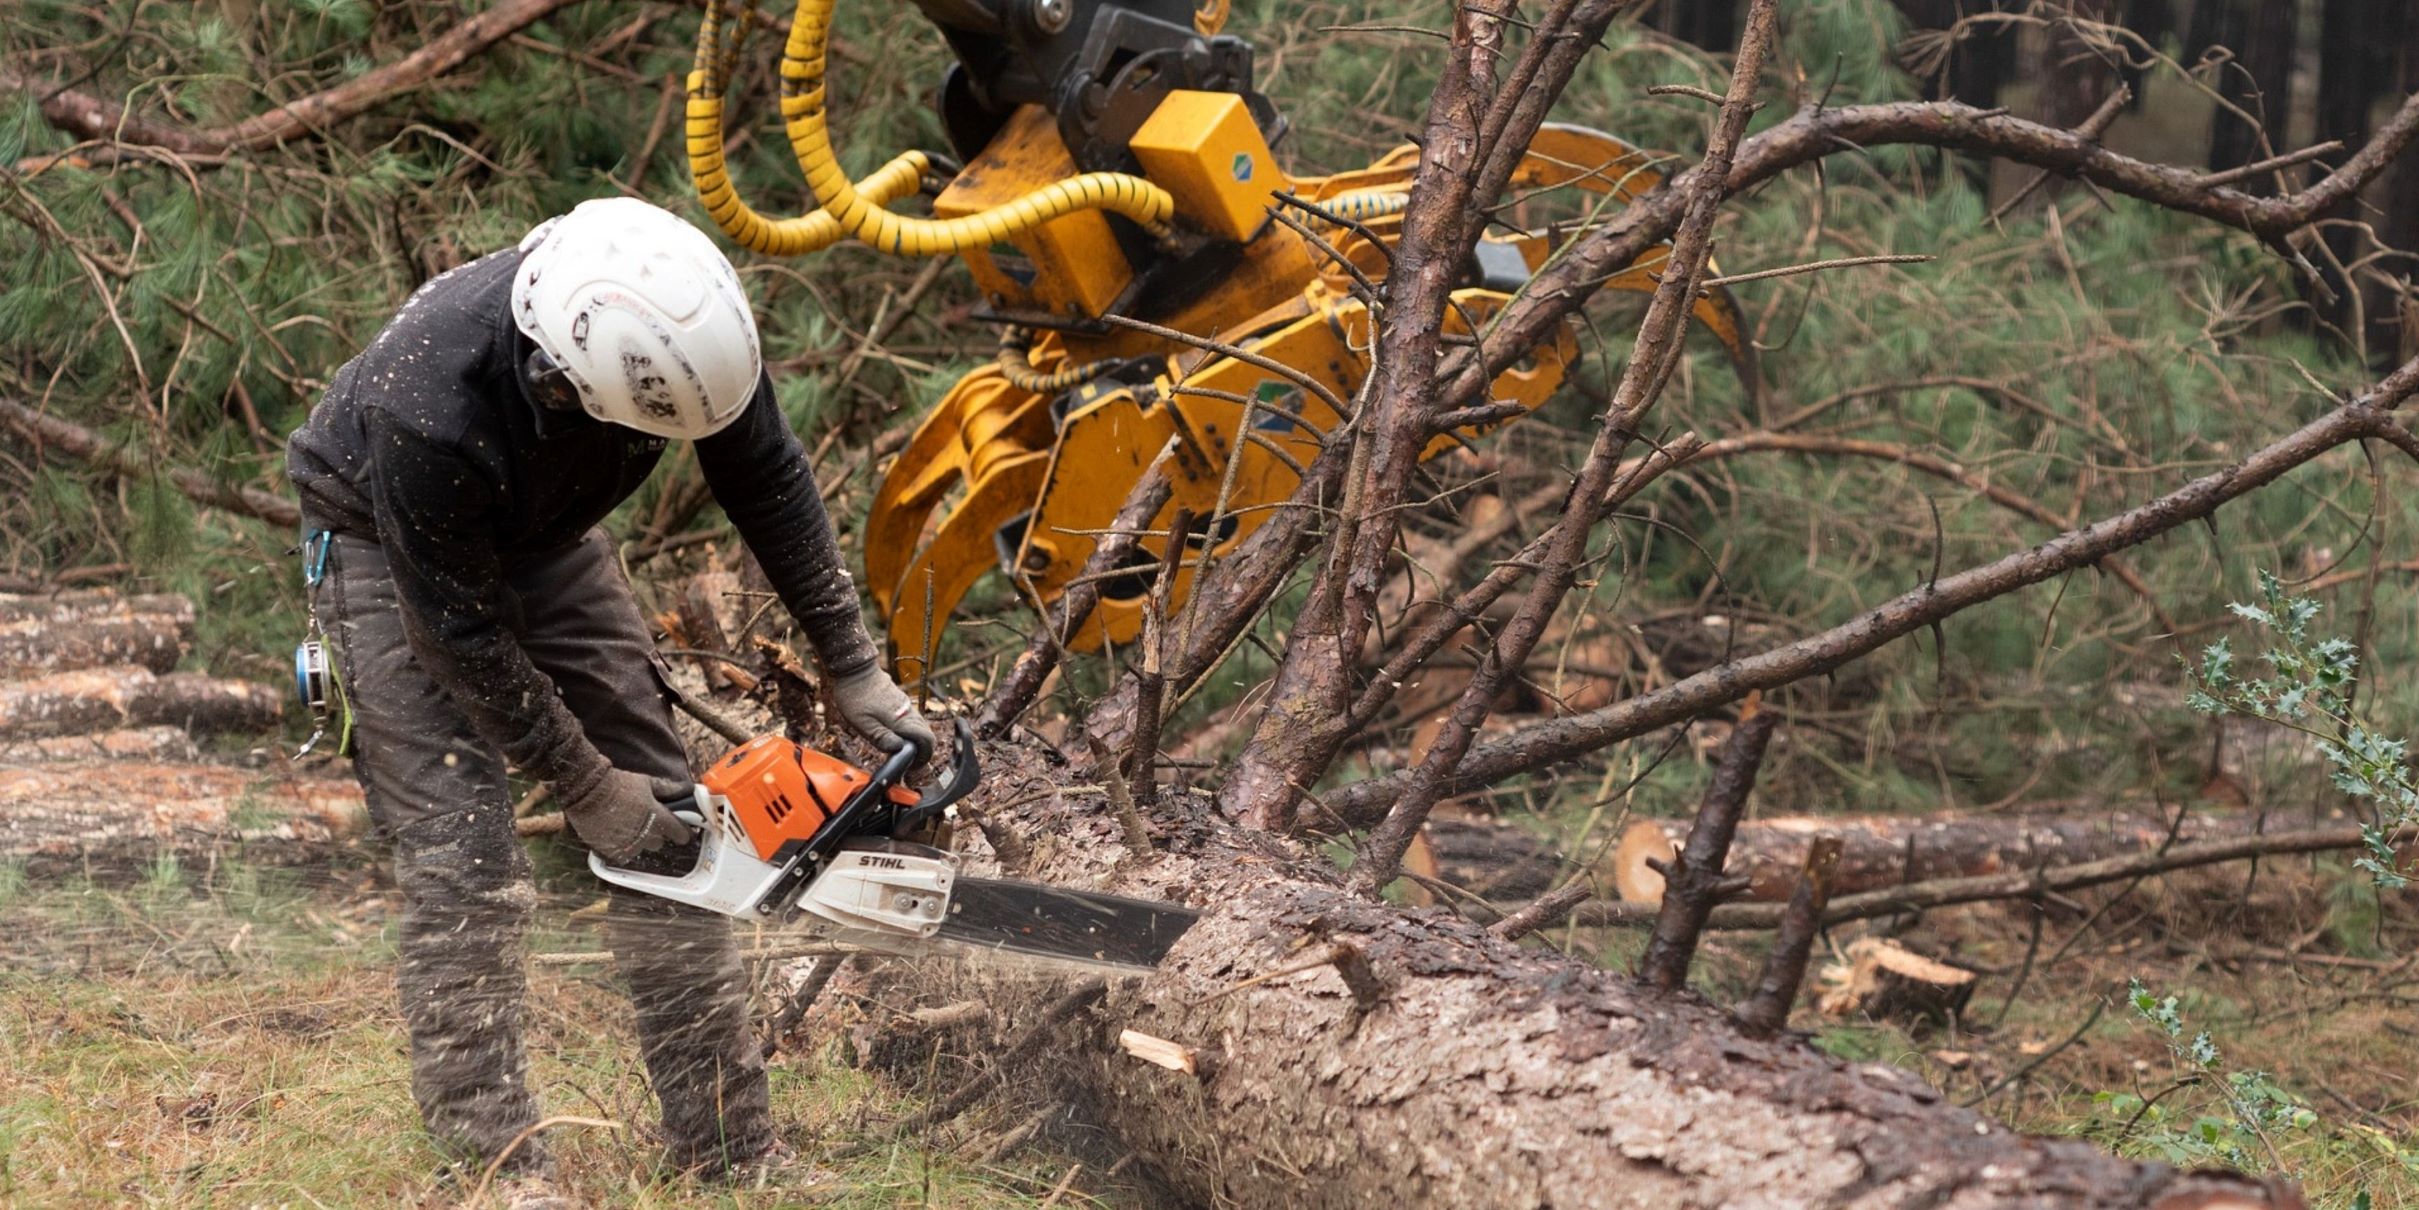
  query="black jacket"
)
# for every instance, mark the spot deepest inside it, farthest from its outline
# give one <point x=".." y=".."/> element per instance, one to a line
<point x="425" y="444"/>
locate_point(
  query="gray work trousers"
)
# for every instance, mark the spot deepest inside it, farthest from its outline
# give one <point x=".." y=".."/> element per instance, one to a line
<point x="439" y="793"/>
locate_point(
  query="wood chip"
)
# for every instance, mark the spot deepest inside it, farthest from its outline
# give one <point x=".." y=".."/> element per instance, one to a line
<point x="1170" y="1055"/>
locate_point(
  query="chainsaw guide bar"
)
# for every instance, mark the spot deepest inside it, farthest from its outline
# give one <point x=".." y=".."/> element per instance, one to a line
<point x="1086" y="927"/>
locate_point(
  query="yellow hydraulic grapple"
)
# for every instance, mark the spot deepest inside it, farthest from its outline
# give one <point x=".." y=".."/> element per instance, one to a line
<point x="1118" y="209"/>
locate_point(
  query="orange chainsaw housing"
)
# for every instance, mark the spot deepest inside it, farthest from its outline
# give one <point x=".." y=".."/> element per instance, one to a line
<point x="782" y="793"/>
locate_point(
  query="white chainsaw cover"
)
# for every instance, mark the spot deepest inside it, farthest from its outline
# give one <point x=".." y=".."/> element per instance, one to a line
<point x="897" y="890"/>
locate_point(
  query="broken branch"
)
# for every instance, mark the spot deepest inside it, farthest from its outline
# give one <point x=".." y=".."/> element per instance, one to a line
<point x="1785" y="967"/>
<point x="1693" y="883"/>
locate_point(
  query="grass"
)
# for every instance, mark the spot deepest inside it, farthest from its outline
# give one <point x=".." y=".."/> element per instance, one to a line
<point x="166" y="1042"/>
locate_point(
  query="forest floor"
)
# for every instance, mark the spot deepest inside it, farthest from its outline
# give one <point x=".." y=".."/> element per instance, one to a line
<point x="230" y="1037"/>
<point x="2308" y="1001"/>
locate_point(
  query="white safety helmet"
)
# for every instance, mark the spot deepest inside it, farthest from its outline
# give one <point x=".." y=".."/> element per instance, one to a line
<point x="642" y="313"/>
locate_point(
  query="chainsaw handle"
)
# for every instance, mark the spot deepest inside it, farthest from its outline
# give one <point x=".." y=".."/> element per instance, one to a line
<point x="909" y="755"/>
<point x="964" y="772"/>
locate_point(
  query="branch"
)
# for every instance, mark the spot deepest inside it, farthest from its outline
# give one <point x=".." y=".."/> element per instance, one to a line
<point x="92" y="117"/>
<point x="1941" y="468"/>
<point x="1785" y="967"/>
<point x="1150" y="685"/>
<point x="1541" y="744"/>
<point x="1300" y="732"/>
<point x="1652" y="358"/>
<point x="1815" y="132"/>
<point x="1063" y="618"/>
<point x="2092" y="128"/>
<point x="1441" y="625"/>
<point x="43" y="431"/>
<point x="1475" y="139"/>
<point x="1694" y="881"/>
<point x="1061" y="1010"/>
<point x="1545" y="911"/>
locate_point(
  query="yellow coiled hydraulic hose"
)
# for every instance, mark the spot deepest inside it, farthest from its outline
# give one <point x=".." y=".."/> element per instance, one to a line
<point x="1361" y="205"/>
<point x="1016" y="365"/>
<point x="860" y="213"/>
<point x="753" y="231"/>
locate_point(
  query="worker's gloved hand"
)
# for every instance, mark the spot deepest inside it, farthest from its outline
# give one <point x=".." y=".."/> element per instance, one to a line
<point x="622" y="814"/>
<point x="876" y="708"/>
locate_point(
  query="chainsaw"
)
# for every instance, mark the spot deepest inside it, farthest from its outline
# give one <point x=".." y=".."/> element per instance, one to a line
<point x="786" y="834"/>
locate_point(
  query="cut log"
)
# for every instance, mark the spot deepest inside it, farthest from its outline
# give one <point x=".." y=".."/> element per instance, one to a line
<point x="120" y="813"/>
<point x="158" y="743"/>
<point x="1881" y="978"/>
<point x="103" y="699"/>
<point x="1882" y="851"/>
<point x="1464" y="1070"/>
<point x="39" y="634"/>
<point x="78" y="604"/>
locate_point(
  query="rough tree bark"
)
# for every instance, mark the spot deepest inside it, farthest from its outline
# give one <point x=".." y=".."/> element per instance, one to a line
<point x="1305" y="1095"/>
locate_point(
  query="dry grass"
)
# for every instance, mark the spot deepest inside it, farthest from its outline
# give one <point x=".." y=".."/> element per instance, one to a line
<point x="163" y="1045"/>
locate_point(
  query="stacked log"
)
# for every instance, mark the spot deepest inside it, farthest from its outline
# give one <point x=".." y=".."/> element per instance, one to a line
<point x="99" y="760"/>
<point x="120" y="812"/>
<point x="154" y="743"/>
<point x="86" y="700"/>
<point x="92" y="630"/>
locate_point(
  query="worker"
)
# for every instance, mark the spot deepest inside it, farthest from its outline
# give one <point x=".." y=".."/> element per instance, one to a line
<point x="452" y="479"/>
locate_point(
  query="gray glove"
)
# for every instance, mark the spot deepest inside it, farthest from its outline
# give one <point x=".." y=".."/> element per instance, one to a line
<point x="621" y="814"/>
<point x="875" y="707"/>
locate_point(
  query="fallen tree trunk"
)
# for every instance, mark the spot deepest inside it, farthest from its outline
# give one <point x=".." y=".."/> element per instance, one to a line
<point x="1897" y="899"/>
<point x="121" y="813"/>
<point x="58" y="634"/>
<point x="1881" y="851"/>
<point x="102" y="699"/>
<point x="1411" y="1089"/>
